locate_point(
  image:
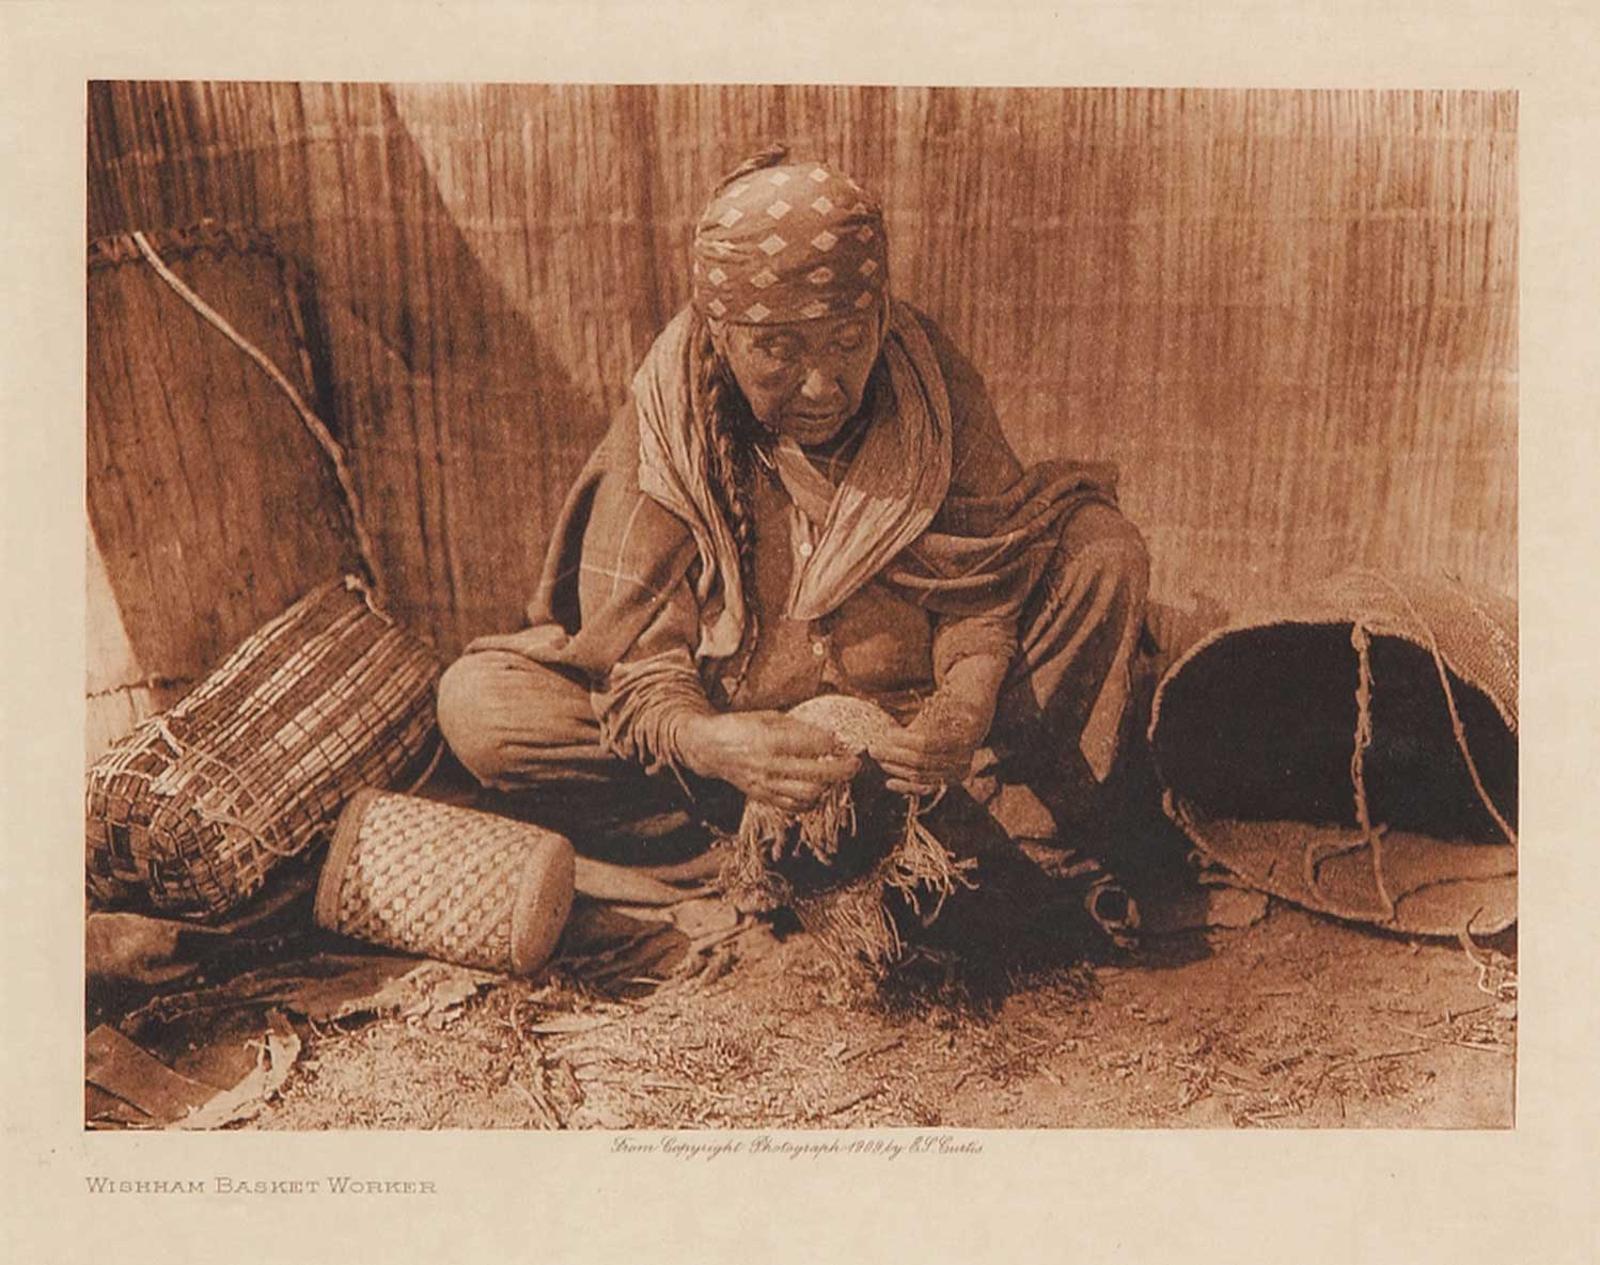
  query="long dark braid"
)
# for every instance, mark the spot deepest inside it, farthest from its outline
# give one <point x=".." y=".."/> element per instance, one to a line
<point x="733" y="437"/>
<point x="732" y="431"/>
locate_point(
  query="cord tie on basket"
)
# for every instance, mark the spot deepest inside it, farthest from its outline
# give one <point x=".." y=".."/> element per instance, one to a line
<point x="1370" y="837"/>
<point x="221" y="805"/>
<point x="1457" y="727"/>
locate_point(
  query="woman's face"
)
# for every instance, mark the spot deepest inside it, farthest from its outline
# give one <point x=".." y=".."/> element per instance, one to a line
<point x="804" y="379"/>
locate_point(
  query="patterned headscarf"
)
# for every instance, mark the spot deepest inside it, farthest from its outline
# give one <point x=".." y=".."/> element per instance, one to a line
<point x="789" y="241"/>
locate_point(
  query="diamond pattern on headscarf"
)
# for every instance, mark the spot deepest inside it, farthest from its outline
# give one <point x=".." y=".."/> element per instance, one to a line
<point x="793" y="242"/>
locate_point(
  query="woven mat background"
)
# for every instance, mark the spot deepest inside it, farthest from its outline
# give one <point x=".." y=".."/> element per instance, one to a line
<point x="1289" y="316"/>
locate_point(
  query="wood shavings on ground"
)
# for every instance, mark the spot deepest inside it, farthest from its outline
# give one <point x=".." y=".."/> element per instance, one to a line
<point x="1289" y="1022"/>
<point x="432" y="992"/>
<point x="136" y="1089"/>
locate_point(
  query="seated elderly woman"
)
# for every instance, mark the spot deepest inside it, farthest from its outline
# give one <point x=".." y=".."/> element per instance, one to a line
<point x="808" y="493"/>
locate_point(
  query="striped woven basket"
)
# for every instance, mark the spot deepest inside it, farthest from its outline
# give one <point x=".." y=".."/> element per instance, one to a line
<point x="190" y="813"/>
<point x="447" y="883"/>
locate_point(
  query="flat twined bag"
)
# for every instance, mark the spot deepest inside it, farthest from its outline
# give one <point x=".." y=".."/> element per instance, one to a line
<point x="190" y="813"/>
<point x="1354" y="751"/>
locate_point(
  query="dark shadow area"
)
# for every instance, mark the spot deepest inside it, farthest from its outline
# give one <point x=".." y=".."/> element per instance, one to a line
<point x="466" y="429"/>
<point x="1024" y="921"/>
<point x="1261" y="726"/>
<point x="133" y="958"/>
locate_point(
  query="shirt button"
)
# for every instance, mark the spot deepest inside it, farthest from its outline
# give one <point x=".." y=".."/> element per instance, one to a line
<point x="806" y="549"/>
<point x="818" y="649"/>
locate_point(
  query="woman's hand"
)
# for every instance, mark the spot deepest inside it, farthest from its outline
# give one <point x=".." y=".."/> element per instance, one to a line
<point x="932" y="751"/>
<point x="937" y="747"/>
<point x="769" y="756"/>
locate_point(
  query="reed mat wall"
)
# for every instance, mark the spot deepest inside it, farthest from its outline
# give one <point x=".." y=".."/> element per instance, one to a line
<point x="1289" y="316"/>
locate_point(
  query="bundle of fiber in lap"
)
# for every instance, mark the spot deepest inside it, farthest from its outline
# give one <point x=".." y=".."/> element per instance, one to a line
<point x="191" y="812"/>
<point x="446" y="882"/>
<point x="1354" y="751"/>
<point x="841" y="864"/>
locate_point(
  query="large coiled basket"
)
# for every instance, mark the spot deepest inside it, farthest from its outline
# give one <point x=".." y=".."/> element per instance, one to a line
<point x="1354" y="750"/>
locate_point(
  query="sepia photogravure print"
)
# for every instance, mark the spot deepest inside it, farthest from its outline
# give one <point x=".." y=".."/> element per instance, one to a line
<point x="800" y="607"/>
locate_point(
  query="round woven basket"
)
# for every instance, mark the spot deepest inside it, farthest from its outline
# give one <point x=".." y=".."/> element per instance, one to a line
<point x="447" y="883"/>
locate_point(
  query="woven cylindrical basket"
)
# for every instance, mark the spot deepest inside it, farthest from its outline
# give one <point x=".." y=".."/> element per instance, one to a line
<point x="1354" y="750"/>
<point x="447" y="883"/>
<point x="190" y="813"/>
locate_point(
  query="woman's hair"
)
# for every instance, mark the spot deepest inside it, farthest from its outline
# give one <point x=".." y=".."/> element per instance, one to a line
<point x="733" y="436"/>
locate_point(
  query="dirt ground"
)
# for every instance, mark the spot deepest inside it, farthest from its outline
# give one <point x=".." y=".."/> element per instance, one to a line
<point x="1294" y="1021"/>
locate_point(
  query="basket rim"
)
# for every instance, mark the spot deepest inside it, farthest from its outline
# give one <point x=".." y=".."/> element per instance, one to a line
<point x="346" y="833"/>
<point x="1378" y="625"/>
<point x="543" y="904"/>
<point x="1196" y="826"/>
